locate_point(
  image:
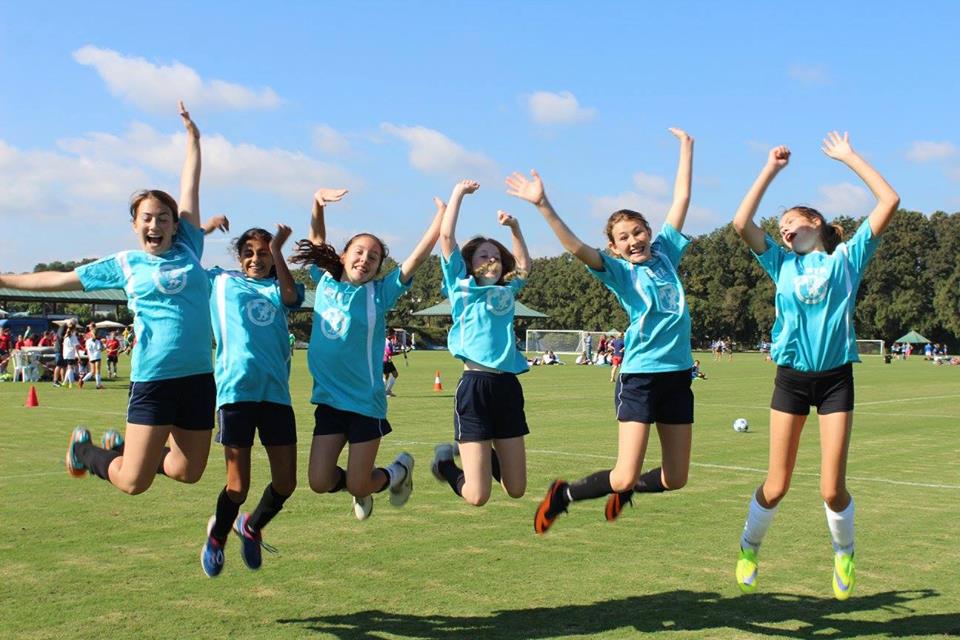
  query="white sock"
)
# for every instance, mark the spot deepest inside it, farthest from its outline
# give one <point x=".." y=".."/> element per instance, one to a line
<point x="758" y="521"/>
<point x="391" y="380"/>
<point x="841" y="528"/>
<point x="87" y="377"/>
<point x="397" y="473"/>
<point x="99" y="380"/>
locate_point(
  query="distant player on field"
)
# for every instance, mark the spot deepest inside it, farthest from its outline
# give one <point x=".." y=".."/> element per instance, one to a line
<point x="814" y="344"/>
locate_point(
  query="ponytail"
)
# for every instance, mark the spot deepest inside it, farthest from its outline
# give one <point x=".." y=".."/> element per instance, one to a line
<point x="324" y="256"/>
<point x="832" y="235"/>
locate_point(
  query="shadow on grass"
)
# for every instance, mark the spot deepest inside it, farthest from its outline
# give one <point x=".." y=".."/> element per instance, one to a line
<point x="777" y="615"/>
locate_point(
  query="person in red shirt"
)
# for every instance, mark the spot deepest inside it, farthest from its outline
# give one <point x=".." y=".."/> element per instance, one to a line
<point x="47" y="339"/>
<point x="112" y="345"/>
<point x="19" y="343"/>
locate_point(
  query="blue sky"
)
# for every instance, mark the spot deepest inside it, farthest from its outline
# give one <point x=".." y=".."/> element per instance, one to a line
<point x="396" y="101"/>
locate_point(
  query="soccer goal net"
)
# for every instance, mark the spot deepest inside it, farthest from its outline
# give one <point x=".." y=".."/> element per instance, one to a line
<point x="565" y="341"/>
<point x="870" y="347"/>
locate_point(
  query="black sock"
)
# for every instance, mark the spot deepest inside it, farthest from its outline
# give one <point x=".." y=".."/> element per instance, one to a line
<point x="270" y="505"/>
<point x="495" y="464"/>
<point x="593" y="486"/>
<point x="386" y="482"/>
<point x="227" y="511"/>
<point x="453" y="475"/>
<point x="650" y="482"/>
<point x="341" y="482"/>
<point x="95" y="459"/>
<point x="163" y="456"/>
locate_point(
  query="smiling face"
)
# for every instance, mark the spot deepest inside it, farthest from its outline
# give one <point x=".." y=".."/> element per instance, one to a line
<point x="801" y="233"/>
<point x="361" y="260"/>
<point x="155" y="225"/>
<point x="630" y="239"/>
<point x="256" y="260"/>
<point x="486" y="265"/>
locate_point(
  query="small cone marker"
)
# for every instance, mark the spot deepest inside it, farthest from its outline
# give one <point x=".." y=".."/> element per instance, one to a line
<point x="436" y="382"/>
<point x="32" y="400"/>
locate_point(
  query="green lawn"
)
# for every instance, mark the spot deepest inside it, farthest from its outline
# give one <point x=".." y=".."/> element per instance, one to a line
<point x="80" y="559"/>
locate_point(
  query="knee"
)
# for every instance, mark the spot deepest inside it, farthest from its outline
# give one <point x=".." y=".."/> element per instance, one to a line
<point x="477" y="498"/>
<point x="835" y="498"/>
<point x="773" y="494"/>
<point x="674" y="482"/>
<point x="135" y="487"/>
<point x="285" y="487"/>
<point x="620" y="481"/>
<point x="517" y="491"/>
<point x="319" y="484"/>
<point x="237" y="494"/>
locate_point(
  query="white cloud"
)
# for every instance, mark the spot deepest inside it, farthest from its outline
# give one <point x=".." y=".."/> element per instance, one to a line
<point x="654" y="209"/>
<point x="843" y="199"/>
<point x="557" y="108"/>
<point x="329" y="140"/>
<point x="925" y="151"/>
<point x="433" y="152"/>
<point x="650" y="184"/>
<point x="809" y="74"/>
<point x="157" y="87"/>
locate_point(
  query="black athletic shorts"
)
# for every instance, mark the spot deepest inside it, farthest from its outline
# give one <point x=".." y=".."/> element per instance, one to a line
<point x="830" y="391"/>
<point x="489" y="406"/>
<point x="654" y="397"/>
<point x="112" y="359"/>
<point x="358" y="428"/>
<point x="188" y="402"/>
<point x="238" y="420"/>
<point x="390" y="369"/>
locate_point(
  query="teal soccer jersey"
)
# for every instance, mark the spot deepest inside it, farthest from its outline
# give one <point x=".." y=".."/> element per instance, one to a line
<point x="658" y="338"/>
<point x="169" y="297"/>
<point x="252" y="363"/>
<point x="346" y="344"/>
<point x="482" y="330"/>
<point x="816" y="294"/>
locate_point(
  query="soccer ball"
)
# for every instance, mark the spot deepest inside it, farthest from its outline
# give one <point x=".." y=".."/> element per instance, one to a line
<point x="740" y="425"/>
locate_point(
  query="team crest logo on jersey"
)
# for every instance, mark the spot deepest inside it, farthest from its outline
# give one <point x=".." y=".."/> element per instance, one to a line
<point x="499" y="301"/>
<point x="170" y="279"/>
<point x="668" y="296"/>
<point x="334" y="323"/>
<point x="812" y="287"/>
<point x="260" y="312"/>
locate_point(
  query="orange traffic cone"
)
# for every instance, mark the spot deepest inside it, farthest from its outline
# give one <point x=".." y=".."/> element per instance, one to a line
<point x="436" y="382"/>
<point x="32" y="398"/>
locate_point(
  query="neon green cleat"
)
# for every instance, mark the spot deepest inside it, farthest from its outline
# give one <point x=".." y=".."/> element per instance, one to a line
<point x="844" y="575"/>
<point x="747" y="570"/>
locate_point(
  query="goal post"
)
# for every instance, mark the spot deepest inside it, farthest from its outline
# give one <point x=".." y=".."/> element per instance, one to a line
<point x="565" y="341"/>
<point x="870" y="347"/>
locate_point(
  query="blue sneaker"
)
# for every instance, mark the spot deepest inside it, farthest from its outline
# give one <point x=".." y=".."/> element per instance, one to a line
<point x="75" y="467"/>
<point x="112" y="440"/>
<point x="211" y="556"/>
<point x="251" y="543"/>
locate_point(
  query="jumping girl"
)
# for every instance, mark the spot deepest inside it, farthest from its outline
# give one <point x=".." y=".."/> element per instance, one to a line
<point x="814" y="344"/>
<point x="346" y="358"/>
<point x="654" y="381"/>
<point x="252" y="368"/>
<point x="172" y="389"/>
<point x="489" y="424"/>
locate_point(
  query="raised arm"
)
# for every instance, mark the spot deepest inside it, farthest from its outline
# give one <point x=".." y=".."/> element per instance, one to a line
<point x="838" y="147"/>
<point x="190" y="175"/>
<point x="216" y="222"/>
<point x="429" y="240"/>
<point x="743" y="222"/>
<point x="532" y="191"/>
<point x="288" y="288"/>
<point x="318" y="228"/>
<point x="520" y="252"/>
<point x="42" y="281"/>
<point x="681" y="186"/>
<point x="448" y="226"/>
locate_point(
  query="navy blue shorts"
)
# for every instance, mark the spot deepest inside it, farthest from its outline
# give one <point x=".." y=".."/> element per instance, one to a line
<point x="489" y="406"/>
<point x="654" y="397"/>
<point x="330" y="421"/>
<point x="390" y="369"/>
<point x="794" y="392"/>
<point x="238" y="420"/>
<point x="188" y="402"/>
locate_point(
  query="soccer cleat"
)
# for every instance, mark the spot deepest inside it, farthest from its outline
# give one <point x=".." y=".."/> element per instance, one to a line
<point x="362" y="507"/>
<point x="616" y="503"/>
<point x="400" y="493"/>
<point x="211" y="556"/>
<point x="80" y="384"/>
<point x="747" y="570"/>
<point x="550" y="507"/>
<point x="844" y="575"/>
<point x="75" y="467"/>
<point x="112" y="440"/>
<point x="441" y="453"/>
<point x="250" y="542"/>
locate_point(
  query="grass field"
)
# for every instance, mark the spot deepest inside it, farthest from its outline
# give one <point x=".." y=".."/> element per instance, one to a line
<point x="78" y="559"/>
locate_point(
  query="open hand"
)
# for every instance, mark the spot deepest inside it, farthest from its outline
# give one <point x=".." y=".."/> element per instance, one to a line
<point x="467" y="186"/>
<point x="279" y="237"/>
<point x="529" y="189"/>
<point x="837" y="146"/>
<point x="187" y="122"/>
<point x="323" y="196"/>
